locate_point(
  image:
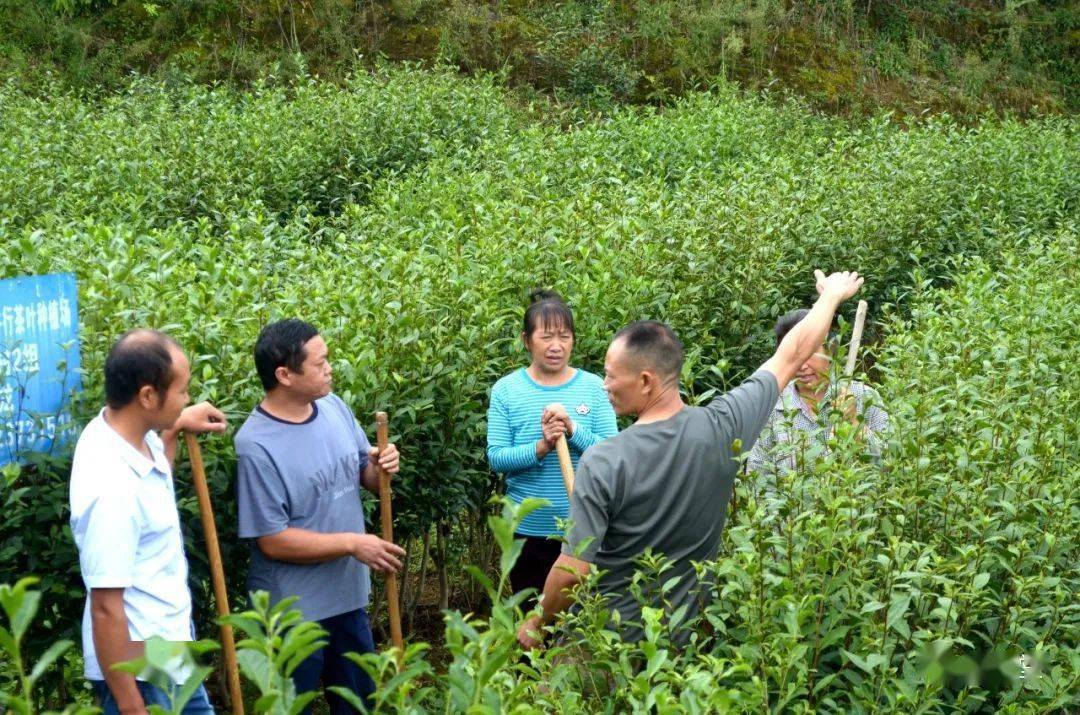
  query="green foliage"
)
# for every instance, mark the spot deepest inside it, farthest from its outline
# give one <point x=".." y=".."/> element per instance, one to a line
<point x="485" y="667"/>
<point x="402" y="679"/>
<point x="163" y="662"/>
<point x="483" y="652"/>
<point x="172" y="207"/>
<point x="408" y="214"/>
<point x="211" y="153"/>
<point x="941" y="579"/>
<point x="36" y="538"/>
<point x="278" y="642"/>
<point x="964" y="57"/>
<point x="20" y="604"/>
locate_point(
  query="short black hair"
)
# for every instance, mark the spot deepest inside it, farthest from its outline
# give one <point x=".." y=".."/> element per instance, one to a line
<point x="790" y="319"/>
<point x="546" y="308"/>
<point x="656" y="344"/>
<point x="281" y="344"/>
<point x="138" y="358"/>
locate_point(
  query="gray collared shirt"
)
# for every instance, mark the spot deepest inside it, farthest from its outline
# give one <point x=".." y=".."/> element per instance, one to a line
<point x="794" y="431"/>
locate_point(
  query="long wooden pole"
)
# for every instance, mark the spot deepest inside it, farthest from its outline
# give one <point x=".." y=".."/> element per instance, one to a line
<point x="567" y="466"/>
<point x="386" y="516"/>
<point x="217" y="573"/>
<point x="856" y="339"/>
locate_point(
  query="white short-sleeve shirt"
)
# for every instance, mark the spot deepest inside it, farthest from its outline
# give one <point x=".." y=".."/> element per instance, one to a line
<point x="127" y="529"/>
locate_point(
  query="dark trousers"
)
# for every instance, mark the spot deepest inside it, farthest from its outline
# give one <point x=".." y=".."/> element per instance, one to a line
<point x="346" y="633"/>
<point x="532" y="567"/>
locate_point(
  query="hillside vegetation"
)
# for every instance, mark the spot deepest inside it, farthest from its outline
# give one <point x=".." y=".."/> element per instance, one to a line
<point x="851" y="56"/>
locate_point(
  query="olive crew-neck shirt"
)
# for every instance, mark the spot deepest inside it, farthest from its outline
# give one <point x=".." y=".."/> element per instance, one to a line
<point x="666" y="486"/>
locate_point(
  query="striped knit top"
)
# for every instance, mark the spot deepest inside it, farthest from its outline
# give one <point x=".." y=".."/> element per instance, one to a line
<point x="517" y="403"/>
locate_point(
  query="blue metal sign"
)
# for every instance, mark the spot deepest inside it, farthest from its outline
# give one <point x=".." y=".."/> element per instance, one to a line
<point x="39" y="363"/>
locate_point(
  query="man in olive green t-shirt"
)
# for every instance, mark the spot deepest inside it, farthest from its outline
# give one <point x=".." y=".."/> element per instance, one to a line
<point x="664" y="483"/>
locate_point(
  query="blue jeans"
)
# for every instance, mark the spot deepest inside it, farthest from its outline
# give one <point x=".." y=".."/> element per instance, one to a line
<point x="346" y="633"/>
<point x="198" y="705"/>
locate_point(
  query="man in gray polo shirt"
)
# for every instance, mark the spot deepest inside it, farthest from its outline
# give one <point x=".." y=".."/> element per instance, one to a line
<point x="665" y="482"/>
<point x="302" y="459"/>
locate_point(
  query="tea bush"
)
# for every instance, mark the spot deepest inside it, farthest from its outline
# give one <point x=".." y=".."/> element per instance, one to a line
<point x="408" y="214"/>
<point x="155" y="153"/>
<point x="961" y="545"/>
<point x="940" y="579"/>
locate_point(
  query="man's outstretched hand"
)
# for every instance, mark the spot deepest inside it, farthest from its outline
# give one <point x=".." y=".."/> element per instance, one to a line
<point x="839" y="286"/>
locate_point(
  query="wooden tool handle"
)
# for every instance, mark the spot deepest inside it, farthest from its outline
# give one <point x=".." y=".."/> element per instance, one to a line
<point x="386" y="517"/>
<point x="856" y="339"/>
<point x="382" y="440"/>
<point x="217" y="573"/>
<point x="567" y="467"/>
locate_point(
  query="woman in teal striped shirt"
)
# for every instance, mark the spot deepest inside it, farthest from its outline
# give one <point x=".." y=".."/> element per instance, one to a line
<point x="530" y="409"/>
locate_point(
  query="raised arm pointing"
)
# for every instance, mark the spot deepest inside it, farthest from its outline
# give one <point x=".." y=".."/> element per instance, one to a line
<point x="811" y="331"/>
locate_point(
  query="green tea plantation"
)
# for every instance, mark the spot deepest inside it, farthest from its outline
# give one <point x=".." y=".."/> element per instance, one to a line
<point x="407" y="214"/>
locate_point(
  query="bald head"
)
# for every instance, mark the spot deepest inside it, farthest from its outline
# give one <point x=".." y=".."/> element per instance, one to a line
<point x="138" y="359"/>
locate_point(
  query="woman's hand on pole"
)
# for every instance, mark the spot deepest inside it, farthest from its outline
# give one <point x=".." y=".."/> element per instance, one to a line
<point x="553" y="429"/>
<point x="556" y="411"/>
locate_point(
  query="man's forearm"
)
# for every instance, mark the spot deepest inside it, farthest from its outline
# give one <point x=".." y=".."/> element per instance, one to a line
<point x="564" y="575"/>
<point x="801" y="342"/>
<point x="556" y="595"/>
<point x="112" y="645"/>
<point x="300" y="546"/>
<point x="369" y="478"/>
<point x="810" y="332"/>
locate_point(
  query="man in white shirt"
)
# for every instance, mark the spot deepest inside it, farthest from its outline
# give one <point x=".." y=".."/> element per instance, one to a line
<point x="124" y="517"/>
